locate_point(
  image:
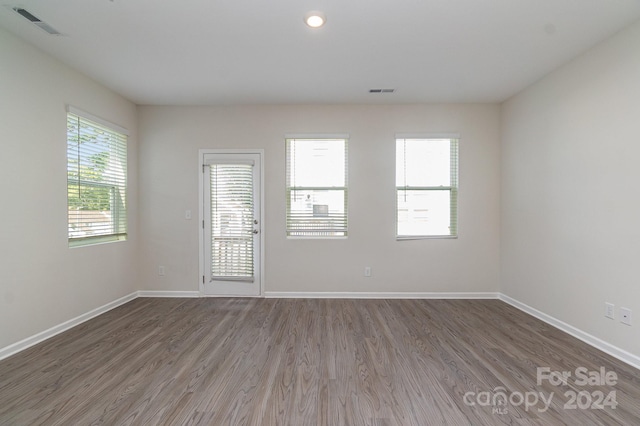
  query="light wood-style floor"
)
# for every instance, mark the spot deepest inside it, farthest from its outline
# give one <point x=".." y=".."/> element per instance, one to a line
<point x="307" y="362"/>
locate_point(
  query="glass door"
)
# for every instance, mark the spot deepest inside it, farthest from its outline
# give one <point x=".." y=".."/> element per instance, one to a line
<point x="232" y="228"/>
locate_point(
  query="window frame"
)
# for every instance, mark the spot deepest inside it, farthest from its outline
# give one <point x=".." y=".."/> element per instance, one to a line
<point x="291" y="188"/>
<point x="453" y="187"/>
<point x="118" y="198"/>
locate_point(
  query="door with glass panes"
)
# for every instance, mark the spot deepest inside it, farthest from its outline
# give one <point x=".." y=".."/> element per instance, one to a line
<point x="231" y="225"/>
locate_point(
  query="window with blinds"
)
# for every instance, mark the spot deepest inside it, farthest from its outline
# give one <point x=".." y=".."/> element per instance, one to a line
<point x="426" y="187"/>
<point x="316" y="187"/>
<point x="232" y="222"/>
<point x="96" y="180"/>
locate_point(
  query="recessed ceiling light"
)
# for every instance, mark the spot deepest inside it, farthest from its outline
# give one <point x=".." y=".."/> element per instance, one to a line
<point x="315" y="19"/>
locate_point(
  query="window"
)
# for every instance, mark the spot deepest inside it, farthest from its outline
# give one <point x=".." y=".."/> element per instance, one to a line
<point x="96" y="180"/>
<point x="316" y="187"/>
<point x="426" y="187"/>
<point x="232" y="220"/>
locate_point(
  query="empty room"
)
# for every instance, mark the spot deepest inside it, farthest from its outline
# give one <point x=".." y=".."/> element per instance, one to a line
<point x="305" y="212"/>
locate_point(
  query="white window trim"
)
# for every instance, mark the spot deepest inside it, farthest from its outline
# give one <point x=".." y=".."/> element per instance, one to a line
<point x="99" y="239"/>
<point x="455" y="136"/>
<point x="321" y="136"/>
<point x="97" y="120"/>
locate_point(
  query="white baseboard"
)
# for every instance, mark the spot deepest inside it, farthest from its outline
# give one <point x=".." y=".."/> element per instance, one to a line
<point x="44" y="335"/>
<point x="608" y="348"/>
<point x="154" y="293"/>
<point x="597" y="343"/>
<point x="378" y="295"/>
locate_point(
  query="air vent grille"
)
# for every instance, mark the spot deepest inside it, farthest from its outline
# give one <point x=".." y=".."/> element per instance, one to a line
<point x="36" y="21"/>
<point x="25" y="13"/>
<point x="381" y="90"/>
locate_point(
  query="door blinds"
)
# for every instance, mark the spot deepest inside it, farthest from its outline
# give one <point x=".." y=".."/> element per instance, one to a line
<point x="232" y="216"/>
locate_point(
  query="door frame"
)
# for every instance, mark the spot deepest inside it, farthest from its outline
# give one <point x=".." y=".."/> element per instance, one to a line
<point x="201" y="208"/>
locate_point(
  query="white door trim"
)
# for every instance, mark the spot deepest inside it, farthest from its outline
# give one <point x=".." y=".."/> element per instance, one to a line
<point x="201" y="209"/>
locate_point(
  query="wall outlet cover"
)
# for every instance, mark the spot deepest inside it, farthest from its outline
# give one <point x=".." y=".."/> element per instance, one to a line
<point x="625" y="316"/>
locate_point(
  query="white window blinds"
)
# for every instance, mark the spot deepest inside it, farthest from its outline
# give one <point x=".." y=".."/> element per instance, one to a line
<point x="96" y="182"/>
<point x="232" y="222"/>
<point x="316" y="187"/>
<point x="426" y="187"/>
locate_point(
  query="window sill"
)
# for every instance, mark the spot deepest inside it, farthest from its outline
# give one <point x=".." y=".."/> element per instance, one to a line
<point x="425" y="237"/>
<point x="315" y="238"/>
<point x="92" y="241"/>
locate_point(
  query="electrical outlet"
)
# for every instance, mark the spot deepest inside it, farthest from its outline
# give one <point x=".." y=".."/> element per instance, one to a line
<point x="610" y="310"/>
<point x="367" y="271"/>
<point x="161" y="271"/>
<point x="625" y="316"/>
<point x="187" y="214"/>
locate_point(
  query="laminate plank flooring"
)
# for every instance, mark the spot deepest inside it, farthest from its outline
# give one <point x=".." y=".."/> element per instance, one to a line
<point x="237" y="361"/>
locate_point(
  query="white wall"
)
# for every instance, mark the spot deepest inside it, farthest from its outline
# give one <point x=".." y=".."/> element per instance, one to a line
<point x="44" y="283"/>
<point x="570" y="196"/>
<point x="171" y="136"/>
<point x="563" y="239"/>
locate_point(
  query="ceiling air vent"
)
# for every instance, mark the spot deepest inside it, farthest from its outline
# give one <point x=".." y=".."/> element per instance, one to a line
<point x="35" y="20"/>
<point x="381" y="90"/>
